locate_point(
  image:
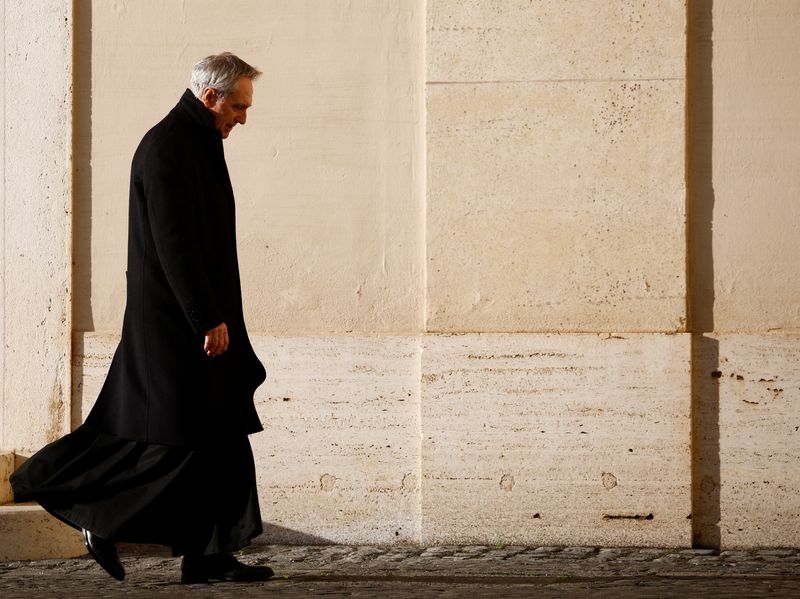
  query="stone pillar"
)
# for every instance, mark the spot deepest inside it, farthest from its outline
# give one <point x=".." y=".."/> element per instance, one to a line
<point x="36" y="237"/>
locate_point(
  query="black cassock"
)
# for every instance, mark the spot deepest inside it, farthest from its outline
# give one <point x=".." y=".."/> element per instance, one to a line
<point x="163" y="456"/>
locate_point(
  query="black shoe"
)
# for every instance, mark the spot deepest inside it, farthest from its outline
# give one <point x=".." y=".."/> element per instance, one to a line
<point x="220" y="566"/>
<point x="104" y="553"/>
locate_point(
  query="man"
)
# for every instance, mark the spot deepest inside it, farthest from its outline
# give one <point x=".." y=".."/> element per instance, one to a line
<point x="164" y="457"/>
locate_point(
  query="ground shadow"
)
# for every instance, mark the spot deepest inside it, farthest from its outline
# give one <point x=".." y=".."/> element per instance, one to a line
<point x="700" y="275"/>
<point x="278" y="535"/>
<point x="272" y="535"/>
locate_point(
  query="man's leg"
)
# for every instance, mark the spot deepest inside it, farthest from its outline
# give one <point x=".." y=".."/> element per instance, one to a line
<point x="227" y="483"/>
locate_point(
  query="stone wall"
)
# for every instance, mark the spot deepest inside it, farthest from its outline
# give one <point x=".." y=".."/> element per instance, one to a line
<point x="513" y="207"/>
<point x="487" y="310"/>
<point x="36" y="216"/>
<point x="744" y="122"/>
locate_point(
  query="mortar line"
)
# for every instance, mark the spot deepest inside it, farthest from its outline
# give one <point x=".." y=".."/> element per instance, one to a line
<point x="518" y="81"/>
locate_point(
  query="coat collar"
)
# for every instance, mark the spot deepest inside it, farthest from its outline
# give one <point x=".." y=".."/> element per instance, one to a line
<point x="192" y="108"/>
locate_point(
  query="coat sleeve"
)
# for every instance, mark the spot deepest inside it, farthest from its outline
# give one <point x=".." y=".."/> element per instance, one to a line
<point x="172" y="212"/>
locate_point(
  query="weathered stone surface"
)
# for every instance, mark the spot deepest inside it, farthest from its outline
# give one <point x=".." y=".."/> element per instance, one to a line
<point x="339" y="457"/>
<point x="6" y="469"/>
<point x="28" y="532"/>
<point x="91" y="359"/>
<point x="519" y="40"/>
<point x="744" y="140"/>
<point x="754" y="483"/>
<point x="556" y="207"/>
<point x="559" y="438"/>
<point x="327" y="171"/>
<point x="36" y="214"/>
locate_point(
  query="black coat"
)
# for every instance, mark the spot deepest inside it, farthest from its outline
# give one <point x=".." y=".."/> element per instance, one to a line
<point x="183" y="279"/>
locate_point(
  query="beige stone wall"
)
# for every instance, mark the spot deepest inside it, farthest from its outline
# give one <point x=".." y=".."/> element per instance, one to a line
<point x="327" y="172"/>
<point x="338" y="460"/>
<point x="520" y="196"/>
<point x="555" y="196"/>
<point x="329" y="179"/>
<point x="464" y="240"/>
<point x="36" y="211"/>
<point x="754" y="155"/>
<point x="556" y="203"/>
<point x="744" y="125"/>
<point x="556" y="439"/>
<point x="749" y="491"/>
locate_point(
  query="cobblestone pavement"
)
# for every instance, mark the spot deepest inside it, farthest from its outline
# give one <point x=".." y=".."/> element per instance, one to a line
<point x="413" y="572"/>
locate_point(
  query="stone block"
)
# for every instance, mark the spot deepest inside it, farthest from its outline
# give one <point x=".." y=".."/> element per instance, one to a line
<point x="745" y="147"/>
<point x="6" y="469"/>
<point x="36" y="211"/>
<point x="28" y="532"/>
<point x="753" y="484"/>
<point x="519" y="40"/>
<point x="556" y="207"/>
<point x="339" y="457"/>
<point x="556" y="440"/>
<point x="327" y="171"/>
<point x="91" y="359"/>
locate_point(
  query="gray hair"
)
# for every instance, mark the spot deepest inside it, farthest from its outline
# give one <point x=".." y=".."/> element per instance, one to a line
<point x="220" y="72"/>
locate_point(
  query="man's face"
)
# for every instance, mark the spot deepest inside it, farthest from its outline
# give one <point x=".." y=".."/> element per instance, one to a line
<point x="231" y="109"/>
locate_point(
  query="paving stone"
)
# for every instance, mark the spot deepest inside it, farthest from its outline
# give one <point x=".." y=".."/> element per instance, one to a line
<point x="668" y="558"/>
<point x="361" y="554"/>
<point x="778" y="552"/>
<point x="475" y="549"/>
<point x="579" y="551"/>
<point x="733" y="554"/>
<point x="503" y="553"/>
<point x="610" y="552"/>
<point x="705" y="559"/>
<point x="699" y="552"/>
<point x="437" y="551"/>
<point x="547" y="549"/>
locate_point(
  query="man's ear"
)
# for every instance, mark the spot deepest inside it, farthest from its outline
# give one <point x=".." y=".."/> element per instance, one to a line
<point x="209" y="97"/>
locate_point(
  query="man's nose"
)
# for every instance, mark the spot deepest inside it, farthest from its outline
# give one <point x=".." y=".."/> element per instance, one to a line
<point x="242" y="118"/>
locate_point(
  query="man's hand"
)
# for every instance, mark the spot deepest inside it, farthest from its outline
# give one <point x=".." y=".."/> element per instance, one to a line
<point x="216" y="340"/>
